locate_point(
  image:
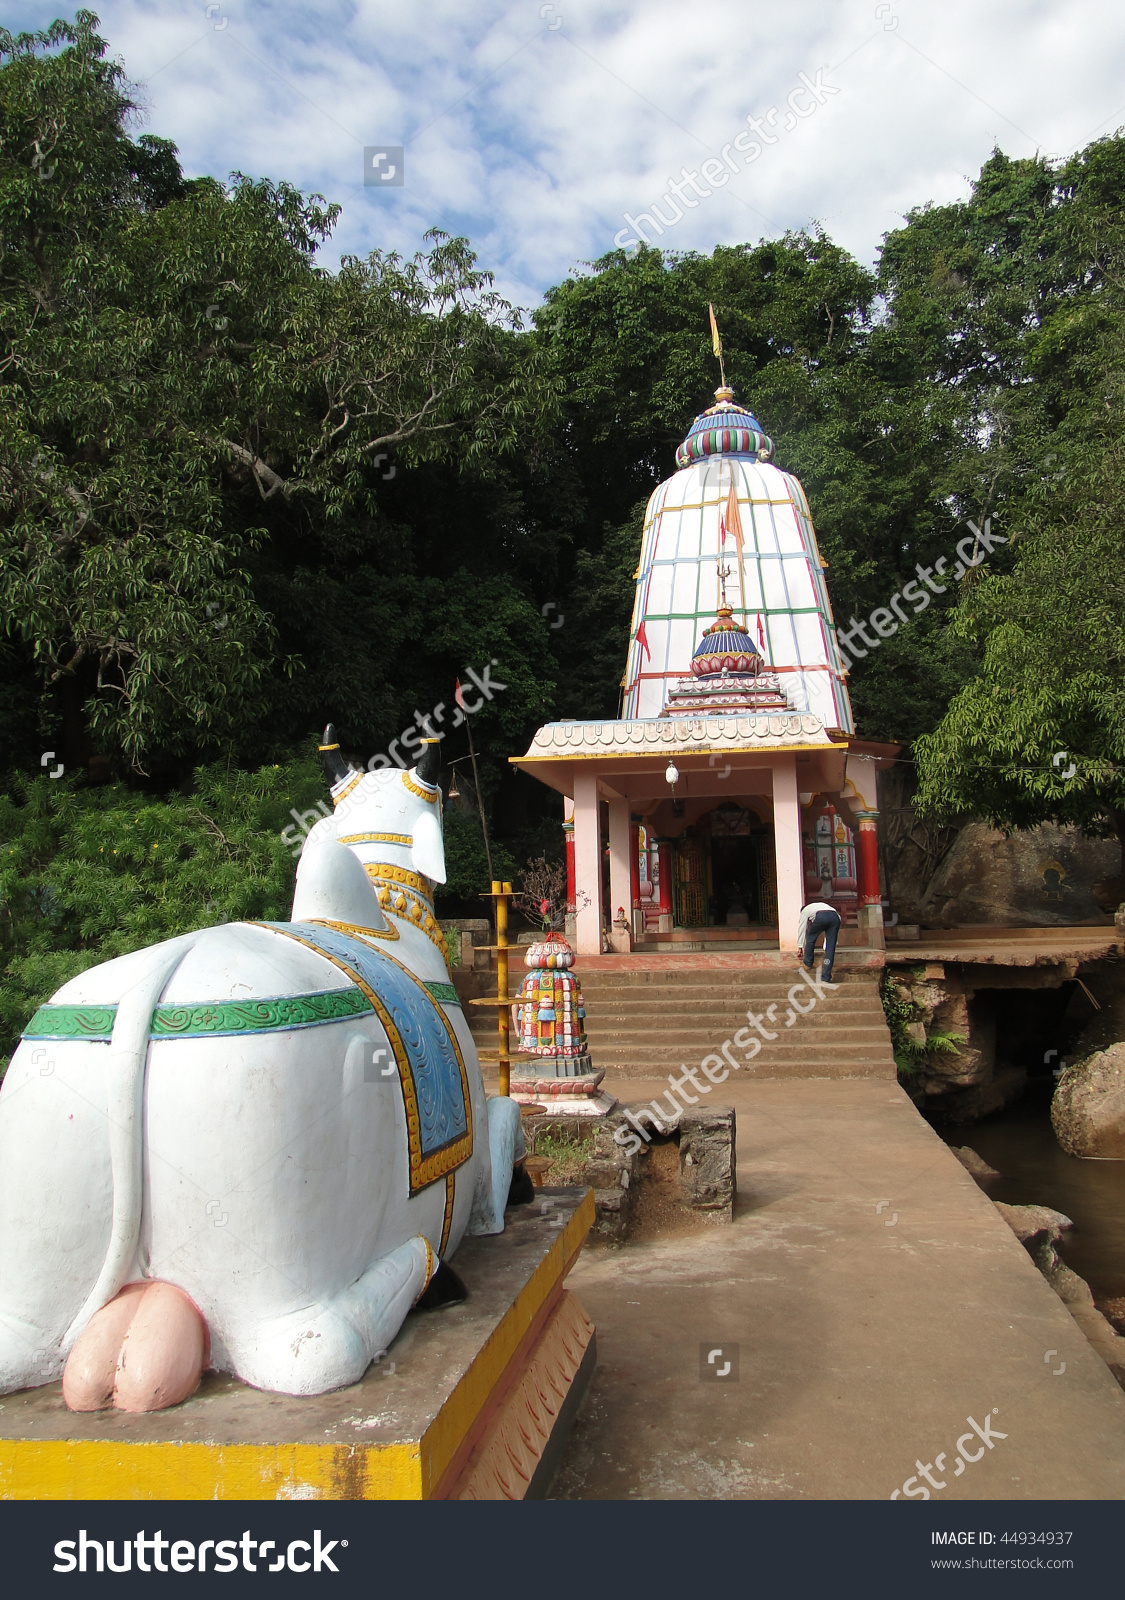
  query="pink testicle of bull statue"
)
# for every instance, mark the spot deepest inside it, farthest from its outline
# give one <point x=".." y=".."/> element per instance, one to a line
<point x="143" y="1351"/>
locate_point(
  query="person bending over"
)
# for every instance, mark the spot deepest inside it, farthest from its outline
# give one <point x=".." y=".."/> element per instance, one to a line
<point x="817" y="918"/>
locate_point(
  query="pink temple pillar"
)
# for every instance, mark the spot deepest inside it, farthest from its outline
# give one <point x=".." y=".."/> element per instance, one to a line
<point x="621" y="874"/>
<point x="587" y="866"/>
<point x="787" y="850"/>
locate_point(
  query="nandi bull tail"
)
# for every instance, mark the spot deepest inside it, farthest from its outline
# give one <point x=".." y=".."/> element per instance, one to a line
<point x="125" y="1120"/>
<point x="71" y="1167"/>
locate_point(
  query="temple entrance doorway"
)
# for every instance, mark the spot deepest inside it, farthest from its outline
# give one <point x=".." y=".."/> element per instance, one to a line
<point x="735" y="875"/>
<point x="725" y="874"/>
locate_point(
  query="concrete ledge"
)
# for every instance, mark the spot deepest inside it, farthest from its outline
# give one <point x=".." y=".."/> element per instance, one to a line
<point x="405" y="1432"/>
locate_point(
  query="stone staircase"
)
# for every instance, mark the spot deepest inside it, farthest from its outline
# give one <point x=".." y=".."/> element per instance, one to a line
<point x="646" y="1024"/>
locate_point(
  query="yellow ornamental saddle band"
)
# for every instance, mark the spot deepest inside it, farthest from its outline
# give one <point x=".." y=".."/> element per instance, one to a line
<point x="415" y="907"/>
<point x="381" y="871"/>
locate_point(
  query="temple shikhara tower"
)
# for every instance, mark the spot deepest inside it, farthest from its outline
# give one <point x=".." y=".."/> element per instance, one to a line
<point x="732" y="787"/>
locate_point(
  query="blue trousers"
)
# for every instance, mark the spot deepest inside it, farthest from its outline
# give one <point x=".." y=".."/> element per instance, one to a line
<point x="828" y="924"/>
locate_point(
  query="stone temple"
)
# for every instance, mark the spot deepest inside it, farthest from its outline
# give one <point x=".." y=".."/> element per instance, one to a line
<point x="733" y="786"/>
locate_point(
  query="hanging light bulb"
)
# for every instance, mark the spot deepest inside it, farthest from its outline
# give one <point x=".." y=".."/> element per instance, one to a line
<point x="672" y="775"/>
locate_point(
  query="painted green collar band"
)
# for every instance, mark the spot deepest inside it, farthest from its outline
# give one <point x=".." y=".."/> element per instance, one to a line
<point x="95" y="1023"/>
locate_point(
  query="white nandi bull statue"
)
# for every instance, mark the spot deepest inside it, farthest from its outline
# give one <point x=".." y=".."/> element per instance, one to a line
<point x="252" y="1147"/>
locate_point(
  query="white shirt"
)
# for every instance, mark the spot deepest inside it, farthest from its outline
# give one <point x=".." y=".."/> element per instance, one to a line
<point x="808" y="913"/>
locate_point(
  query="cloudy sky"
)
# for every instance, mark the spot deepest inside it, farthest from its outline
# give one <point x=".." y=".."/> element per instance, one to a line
<point x="535" y="129"/>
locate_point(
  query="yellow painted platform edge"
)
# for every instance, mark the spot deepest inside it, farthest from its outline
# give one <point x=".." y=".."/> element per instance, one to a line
<point x="120" y="1469"/>
<point x="449" y="1428"/>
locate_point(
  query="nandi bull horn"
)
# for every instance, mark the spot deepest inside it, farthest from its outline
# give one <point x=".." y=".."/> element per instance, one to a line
<point x="336" y="769"/>
<point x="429" y="763"/>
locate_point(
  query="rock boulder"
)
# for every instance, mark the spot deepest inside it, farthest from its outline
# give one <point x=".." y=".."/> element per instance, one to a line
<point x="1088" y="1108"/>
<point x="1026" y="1222"/>
<point x="974" y="1163"/>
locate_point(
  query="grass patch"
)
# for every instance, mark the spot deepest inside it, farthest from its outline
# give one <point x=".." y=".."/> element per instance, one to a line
<point x="568" y="1156"/>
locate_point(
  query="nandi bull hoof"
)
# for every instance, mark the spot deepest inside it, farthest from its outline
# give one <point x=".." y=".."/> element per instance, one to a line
<point x="143" y="1351"/>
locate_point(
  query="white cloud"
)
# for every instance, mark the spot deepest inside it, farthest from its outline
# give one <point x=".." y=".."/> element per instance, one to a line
<point x="535" y="140"/>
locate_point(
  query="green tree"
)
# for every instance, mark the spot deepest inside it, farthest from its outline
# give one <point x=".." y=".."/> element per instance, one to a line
<point x="1038" y="734"/>
<point x="188" y="400"/>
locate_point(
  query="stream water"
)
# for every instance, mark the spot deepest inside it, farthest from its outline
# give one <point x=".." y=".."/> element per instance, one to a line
<point x="1020" y="1143"/>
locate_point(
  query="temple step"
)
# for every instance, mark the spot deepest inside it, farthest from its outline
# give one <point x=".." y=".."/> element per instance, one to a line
<point x="651" y="1023"/>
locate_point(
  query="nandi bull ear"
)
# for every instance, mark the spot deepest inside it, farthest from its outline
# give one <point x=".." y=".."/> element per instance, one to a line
<point x="427" y="850"/>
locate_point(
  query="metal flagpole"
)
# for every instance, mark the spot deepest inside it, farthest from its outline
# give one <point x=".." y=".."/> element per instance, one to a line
<point x="480" y="798"/>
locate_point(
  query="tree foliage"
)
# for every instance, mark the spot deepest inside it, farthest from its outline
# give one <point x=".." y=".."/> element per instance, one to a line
<point x="92" y="872"/>
<point x="187" y="399"/>
<point x="1038" y="733"/>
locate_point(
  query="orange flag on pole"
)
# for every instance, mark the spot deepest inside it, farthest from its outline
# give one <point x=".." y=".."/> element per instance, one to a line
<point x="716" y="342"/>
<point x="733" y="522"/>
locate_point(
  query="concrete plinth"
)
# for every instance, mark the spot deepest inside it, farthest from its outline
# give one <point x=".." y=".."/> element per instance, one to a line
<point x="560" y="1092"/>
<point x="571" y="1105"/>
<point x="470" y="1402"/>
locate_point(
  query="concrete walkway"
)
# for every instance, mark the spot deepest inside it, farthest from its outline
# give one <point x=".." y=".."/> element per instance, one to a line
<point x="874" y="1301"/>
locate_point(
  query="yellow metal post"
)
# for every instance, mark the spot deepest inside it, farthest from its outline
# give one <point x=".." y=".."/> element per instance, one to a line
<point x="501" y="891"/>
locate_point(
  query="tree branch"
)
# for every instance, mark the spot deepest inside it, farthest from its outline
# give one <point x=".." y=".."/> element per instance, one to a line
<point x="263" y="473"/>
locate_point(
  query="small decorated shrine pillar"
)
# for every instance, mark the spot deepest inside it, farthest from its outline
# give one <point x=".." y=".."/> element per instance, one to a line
<point x="560" y="1080"/>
